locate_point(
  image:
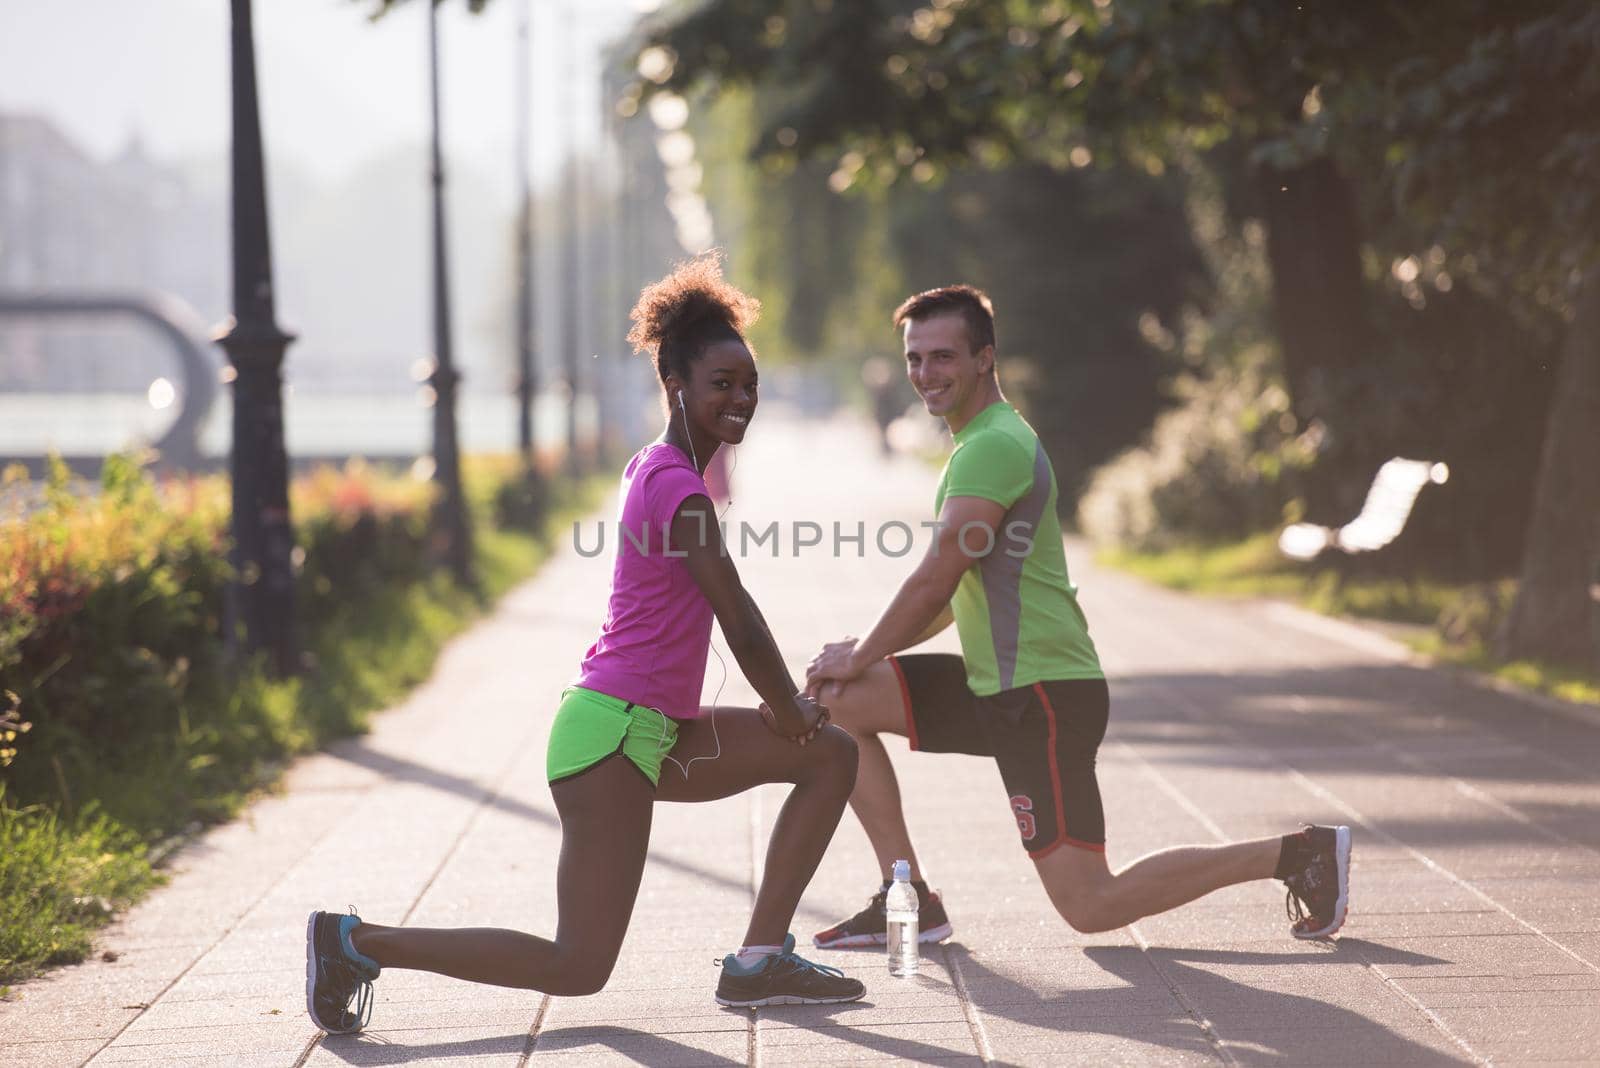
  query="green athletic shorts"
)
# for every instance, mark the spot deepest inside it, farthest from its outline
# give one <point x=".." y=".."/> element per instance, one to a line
<point x="592" y="726"/>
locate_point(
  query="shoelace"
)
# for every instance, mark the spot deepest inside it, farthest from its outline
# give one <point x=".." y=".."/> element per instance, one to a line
<point x="346" y="976"/>
<point x="1295" y="903"/>
<point x="794" y="958"/>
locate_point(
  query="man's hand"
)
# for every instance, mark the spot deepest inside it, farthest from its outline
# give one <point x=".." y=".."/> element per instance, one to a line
<point x="813" y="717"/>
<point x="836" y="663"/>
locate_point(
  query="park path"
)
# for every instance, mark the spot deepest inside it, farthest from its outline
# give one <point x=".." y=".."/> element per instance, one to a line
<point x="1473" y="937"/>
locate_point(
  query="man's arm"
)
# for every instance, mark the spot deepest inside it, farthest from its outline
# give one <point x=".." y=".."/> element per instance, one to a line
<point x="969" y="529"/>
<point x="940" y="622"/>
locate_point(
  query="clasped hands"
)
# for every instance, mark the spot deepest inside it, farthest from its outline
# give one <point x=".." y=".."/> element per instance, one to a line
<point x="833" y="665"/>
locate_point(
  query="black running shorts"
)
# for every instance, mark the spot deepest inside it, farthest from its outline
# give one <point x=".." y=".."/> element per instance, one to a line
<point x="1044" y="738"/>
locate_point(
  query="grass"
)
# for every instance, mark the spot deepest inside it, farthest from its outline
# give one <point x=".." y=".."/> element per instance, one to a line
<point x="1564" y="683"/>
<point x="58" y="883"/>
<point x="1254" y="568"/>
<point x="67" y="868"/>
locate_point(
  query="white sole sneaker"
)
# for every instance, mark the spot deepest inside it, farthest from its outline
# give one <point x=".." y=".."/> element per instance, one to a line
<point x="1341" y="904"/>
<point x="932" y="934"/>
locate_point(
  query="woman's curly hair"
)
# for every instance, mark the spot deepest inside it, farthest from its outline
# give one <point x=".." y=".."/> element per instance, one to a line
<point x="677" y="317"/>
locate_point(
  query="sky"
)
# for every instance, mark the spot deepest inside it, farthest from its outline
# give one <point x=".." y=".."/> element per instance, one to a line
<point x="336" y="88"/>
<point x="344" y="102"/>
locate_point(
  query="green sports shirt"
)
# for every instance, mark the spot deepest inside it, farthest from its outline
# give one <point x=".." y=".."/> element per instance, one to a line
<point x="1016" y="611"/>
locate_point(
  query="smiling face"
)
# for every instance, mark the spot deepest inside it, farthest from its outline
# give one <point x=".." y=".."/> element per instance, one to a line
<point x="719" y="399"/>
<point x="953" y="381"/>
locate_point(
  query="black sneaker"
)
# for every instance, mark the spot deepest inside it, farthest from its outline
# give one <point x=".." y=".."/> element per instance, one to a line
<point x="784" y="979"/>
<point x="870" y="926"/>
<point x="336" y="974"/>
<point x="1319" y="894"/>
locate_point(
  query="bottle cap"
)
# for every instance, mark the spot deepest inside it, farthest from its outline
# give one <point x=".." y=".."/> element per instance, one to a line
<point x="902" y="871"/>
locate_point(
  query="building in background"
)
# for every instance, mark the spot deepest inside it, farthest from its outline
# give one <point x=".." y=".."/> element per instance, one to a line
<point x="70" y="224"/>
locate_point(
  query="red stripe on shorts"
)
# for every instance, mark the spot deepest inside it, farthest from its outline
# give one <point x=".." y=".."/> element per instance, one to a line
<point x="1040" y="854"/>
<point x="905" y="701"/>
<point x="1055" y="787"/>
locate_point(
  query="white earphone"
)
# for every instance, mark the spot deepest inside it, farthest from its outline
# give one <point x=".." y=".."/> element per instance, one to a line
<point x="684" y="767"/>
<point x="687" y="436"/>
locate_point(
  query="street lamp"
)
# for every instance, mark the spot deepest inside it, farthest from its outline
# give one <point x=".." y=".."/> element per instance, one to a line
<point x="450" y="519"/>
<point x="261" y="595"/>
<point x="571" y="293"/>
<point x="527" y="368"/>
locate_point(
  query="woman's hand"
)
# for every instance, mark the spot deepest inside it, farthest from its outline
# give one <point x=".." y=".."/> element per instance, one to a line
<point x="813" y="716"/>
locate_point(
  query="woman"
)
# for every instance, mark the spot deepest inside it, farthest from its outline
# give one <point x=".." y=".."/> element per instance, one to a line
<point x="634" y="709"/>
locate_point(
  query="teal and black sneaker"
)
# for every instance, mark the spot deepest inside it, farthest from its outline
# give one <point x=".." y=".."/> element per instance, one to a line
<point x="336" y="974"/>
<point x="784" y="979"/>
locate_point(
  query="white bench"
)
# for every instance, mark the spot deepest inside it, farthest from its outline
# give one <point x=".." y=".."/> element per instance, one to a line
<point x="1382" y="517"/>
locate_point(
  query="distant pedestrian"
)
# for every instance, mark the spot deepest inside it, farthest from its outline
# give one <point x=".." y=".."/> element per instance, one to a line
<point x="877" y="376"/>
<point x="1028" y="689"/>
<point x="635" y="706"/>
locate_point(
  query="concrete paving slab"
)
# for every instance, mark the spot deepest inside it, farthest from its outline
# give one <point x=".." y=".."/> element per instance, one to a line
<point x="1510" y="955"/>
<point x="99" y="1023"/>
<point x="650" y="1046"/>
<point x="214" y="1057"/>
<point x="1176" y="1046"/>
<point x="460" y="1045"/>
<point x="51" y="1052"/>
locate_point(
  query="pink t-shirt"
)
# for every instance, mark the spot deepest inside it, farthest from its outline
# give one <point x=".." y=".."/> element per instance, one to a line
<point x="652" y="647"/>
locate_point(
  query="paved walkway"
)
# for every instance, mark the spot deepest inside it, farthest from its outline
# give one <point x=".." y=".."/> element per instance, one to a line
<point x="1474" y="934"/>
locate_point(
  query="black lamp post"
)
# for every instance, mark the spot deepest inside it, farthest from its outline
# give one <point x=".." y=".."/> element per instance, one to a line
<point x="571" y="267"/>
<point x="261" y="598"/>
<point x="450" y="520"/>
<point x="527" y="369"/>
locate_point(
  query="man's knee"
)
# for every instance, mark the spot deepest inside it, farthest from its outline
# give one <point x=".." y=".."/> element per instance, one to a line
<point x="1081" y="892"/>
<point x="868" y="705"/>
<point x="844" y="705"/>
<point x="1087" y="915"/>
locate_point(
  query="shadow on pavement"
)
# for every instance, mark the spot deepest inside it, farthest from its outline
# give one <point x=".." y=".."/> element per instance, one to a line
<point x="1264" y="1021"/>
<point x="1374" y="952"/>
<point x="819" y="1020"/>
<point x="371" y="1048"/>
<point x="642" y="1046"/>
<point x="1338" y="718"/>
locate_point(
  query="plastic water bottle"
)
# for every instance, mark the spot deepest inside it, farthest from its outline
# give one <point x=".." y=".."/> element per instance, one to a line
<point x="901" y="907"/>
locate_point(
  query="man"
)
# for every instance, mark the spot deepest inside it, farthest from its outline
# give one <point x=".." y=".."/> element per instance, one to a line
<point x="1028" y="689"/>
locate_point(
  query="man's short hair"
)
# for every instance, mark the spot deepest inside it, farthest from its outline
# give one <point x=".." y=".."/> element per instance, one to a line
<point x="970" y="302"/>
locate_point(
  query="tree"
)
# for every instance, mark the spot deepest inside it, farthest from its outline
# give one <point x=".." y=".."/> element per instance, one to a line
<point x="1076" y="257"/>
<point x="1494" y="153"/>
<point x="1143" y="81"/>
<point x="1499" y="149"/>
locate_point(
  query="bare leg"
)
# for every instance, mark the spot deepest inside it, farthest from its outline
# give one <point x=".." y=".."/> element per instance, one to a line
<point x="605" y="834"/>
<point x="822" y="772"/>
<point x="1090" y="898"/>
<point x="867" y="707"/>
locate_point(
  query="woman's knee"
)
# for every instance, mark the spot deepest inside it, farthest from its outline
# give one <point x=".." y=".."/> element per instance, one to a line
<point x="837" y="751"/>
<point x="582" y="974"/>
